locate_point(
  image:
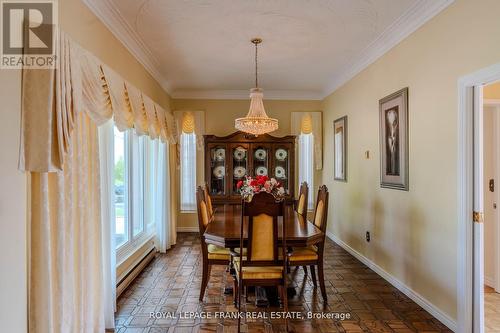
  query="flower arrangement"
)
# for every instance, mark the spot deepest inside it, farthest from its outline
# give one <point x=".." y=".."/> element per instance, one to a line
<point x="251" y="186"/>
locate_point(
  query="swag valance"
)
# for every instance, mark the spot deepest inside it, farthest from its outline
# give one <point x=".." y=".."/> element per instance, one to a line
<point x="52" y="98"/>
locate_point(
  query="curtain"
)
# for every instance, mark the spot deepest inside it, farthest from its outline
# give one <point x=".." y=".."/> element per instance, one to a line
<point x="51" y="99"/>
<point x="306" y="170"/>
<point x="315" y="125"/>
<point x="162" y="207"/>
<point x="106" y="158"/>
<point x="188" y="171"/>
<point x="72" y="260"/>
<point x="66" y="255"/>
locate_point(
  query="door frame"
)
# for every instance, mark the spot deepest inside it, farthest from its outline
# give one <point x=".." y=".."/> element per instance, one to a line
<point x="468" y="193"/>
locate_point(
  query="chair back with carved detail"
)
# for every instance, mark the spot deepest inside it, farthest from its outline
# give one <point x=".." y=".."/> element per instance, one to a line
<point x="204" y="216"/>
<point x="208" y="200"/>
<point x="321" y="211"/>
<point x="262" y="230"/>
<point x="301" y="207"/>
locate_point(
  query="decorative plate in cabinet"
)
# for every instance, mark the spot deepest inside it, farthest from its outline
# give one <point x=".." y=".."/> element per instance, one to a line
<point x="281" y="154"/>
<point x="219" y="172"/>
<point x="261" y="171"/>
<point x="260" y="154"/>
<point x="220" y="154"/>
<point x="239" y="172"/>
<point x="239" y="154"/>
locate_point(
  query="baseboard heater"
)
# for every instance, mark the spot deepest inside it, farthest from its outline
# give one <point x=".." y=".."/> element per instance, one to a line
<point x="135" y="271"/>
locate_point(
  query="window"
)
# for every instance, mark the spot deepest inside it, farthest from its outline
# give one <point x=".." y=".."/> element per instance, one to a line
<point x="139" y="188"/>
<point x="188" y="172"/>
<point x="306" y="170"/>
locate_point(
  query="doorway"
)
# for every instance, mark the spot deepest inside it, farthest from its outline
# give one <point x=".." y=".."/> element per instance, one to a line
<point x="472" y="198"/>
<point x="491" y="171"/>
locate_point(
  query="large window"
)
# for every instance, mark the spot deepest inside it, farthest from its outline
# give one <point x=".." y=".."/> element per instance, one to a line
<point x="306" y="168"/>
<point x="188" y="172"/>
<point x="137" y="188"/>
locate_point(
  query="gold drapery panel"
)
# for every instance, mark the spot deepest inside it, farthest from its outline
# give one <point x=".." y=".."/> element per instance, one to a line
<point x="51" y="100"/>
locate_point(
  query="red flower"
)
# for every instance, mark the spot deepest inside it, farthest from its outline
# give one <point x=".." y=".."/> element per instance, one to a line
<point x="261" y="181"/>
<point x="239" y="184"/>
<point x="253" y="182"/>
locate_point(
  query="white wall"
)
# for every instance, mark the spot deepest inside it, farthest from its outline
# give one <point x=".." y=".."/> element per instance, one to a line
<point x="13" y="196"/>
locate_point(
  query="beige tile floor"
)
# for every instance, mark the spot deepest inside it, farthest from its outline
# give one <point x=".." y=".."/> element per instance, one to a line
<point x="491" y="311"/>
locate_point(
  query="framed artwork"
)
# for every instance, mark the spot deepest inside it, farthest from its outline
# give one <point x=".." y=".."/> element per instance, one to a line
<point x="340" y="149"/>
<point x="393" y="114"/>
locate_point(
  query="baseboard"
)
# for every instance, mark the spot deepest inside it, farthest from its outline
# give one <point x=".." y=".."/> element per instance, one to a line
<point x="187" y="229"/>
<point x="134" y="271"/>
<point x="489" y="281"/>
<point x="414" y="296"/>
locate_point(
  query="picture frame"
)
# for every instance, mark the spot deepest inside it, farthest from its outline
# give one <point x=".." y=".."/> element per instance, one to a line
<point x="340" y="149"/>
<point x="394" y="145"/>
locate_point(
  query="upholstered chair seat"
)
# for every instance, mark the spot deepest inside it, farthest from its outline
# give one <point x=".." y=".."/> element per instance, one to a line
<point x="258" y="272"/>
<point x="217" y="252"/>
<point x="303" y="254"/>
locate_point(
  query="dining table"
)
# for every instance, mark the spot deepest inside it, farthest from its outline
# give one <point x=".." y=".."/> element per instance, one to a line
<point x="225" y="228"/>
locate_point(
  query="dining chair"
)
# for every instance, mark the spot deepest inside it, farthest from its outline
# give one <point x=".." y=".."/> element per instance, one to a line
<point x="264" y="263"/>
<point x="312" y="256"/>
<point x="208" y="200"/>
<point x="211" y="254"/>
<point x="301" y="203"/>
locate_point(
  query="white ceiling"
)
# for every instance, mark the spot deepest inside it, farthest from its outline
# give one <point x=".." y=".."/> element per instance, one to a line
<point x="202" y="49"/>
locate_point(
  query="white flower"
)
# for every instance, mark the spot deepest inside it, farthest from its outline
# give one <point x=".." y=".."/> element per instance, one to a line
<point x="281" y="191"/>
<point x="274" y="181"/>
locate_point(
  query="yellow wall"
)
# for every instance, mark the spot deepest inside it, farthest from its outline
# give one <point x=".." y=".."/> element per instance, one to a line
<point x="492" y="91"/>
<point x="414" y="234"/>
<point x="77" y="20"/>
<point x="219" y="120"/>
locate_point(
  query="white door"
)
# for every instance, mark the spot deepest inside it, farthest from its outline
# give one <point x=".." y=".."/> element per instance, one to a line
<point x="478" y="299"/>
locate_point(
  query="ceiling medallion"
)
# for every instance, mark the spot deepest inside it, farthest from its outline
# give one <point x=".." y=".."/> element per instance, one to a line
<point x="256" y="122"/>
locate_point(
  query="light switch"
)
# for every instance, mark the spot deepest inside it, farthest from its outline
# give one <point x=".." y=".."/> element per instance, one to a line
<point x="367" y="154"/>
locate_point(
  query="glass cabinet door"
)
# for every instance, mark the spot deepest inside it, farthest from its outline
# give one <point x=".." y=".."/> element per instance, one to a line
<point x="281" y="166"/>
<point x="218" y="172"/>
<point x="260" y="158"/>
<point x="239" y="155"/>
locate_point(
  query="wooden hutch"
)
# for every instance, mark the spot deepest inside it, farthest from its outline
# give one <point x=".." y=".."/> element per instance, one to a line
<point x="230" y="158"/>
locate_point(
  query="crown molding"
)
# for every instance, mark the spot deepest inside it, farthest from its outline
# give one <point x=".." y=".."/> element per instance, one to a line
<point x="244" y="94"/>
<point x="114" y="21"/>
<point x="416" y="16"/>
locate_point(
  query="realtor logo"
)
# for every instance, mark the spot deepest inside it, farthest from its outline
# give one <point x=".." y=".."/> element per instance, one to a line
<point x="28" y="33"/>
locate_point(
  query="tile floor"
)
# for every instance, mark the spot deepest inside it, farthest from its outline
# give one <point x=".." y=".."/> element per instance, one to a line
<point x="170" y="284"/>
<point x="491" y="311"/>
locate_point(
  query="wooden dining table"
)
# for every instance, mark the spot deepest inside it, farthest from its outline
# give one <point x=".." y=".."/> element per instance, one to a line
<point x="225" y="229"/>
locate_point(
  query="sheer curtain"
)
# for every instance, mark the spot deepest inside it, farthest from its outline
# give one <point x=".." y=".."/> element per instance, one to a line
<point x="306" y="169"/>
<point x="162" y="201"/>
<point x="188" y="171"/>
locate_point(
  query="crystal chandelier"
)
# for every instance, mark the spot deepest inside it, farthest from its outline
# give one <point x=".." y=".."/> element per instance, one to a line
<point x="256" y="122"/>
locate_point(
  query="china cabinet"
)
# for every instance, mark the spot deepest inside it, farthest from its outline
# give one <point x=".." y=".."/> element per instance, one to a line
<point x="230" y="158"/>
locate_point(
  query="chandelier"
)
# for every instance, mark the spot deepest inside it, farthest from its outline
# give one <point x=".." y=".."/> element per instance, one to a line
<point x="256" y="122"/>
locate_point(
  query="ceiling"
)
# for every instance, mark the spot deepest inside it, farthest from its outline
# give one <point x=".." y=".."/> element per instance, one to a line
<point x="202" y="49"/>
